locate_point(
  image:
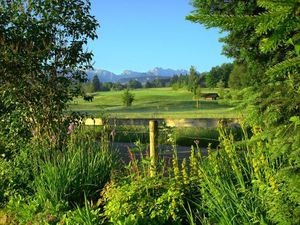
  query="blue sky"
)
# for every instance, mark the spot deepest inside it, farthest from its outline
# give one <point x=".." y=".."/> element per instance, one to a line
<point x="142" y="34"/>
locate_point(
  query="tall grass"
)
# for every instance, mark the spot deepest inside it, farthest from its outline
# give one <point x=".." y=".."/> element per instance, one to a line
<point x="230" y="191"/>
<point x="86" y="215"/>
<point x="66" y="179"/>
<point x="82" y="170"/>
<point x="241" y="183"/>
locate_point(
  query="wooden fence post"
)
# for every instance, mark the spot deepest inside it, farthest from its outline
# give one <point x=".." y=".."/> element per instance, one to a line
<point x="153" y="132"/>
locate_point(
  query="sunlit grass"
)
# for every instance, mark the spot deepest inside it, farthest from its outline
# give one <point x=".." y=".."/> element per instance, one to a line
<point x="155" y="103"/>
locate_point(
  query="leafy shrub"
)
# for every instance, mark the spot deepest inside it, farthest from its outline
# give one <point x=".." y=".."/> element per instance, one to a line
<point x="3" y="179"/>
<point x="31" y="211"/>
<point x="137" y="197"/>
<point x="17" y="173"/>
<point x="149" y="200"/>
<point x="220" y="190"/>
<point x="127" y="98"/>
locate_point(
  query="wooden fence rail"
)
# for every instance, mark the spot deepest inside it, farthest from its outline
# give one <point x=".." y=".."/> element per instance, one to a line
<point x="186" y="122"/>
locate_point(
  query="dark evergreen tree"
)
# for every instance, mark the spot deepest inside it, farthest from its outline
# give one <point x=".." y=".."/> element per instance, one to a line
<point x="96" y="84"/>
<point x="107" y="86"/>
<point x="265" y="36"/>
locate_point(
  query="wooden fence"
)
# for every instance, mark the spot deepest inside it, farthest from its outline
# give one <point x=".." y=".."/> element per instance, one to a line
<point x="153" y="129"/>
<point x="189" y="122"/>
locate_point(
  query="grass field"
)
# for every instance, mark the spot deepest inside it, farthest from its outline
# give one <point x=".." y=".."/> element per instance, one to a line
<point x="154" y="103"/>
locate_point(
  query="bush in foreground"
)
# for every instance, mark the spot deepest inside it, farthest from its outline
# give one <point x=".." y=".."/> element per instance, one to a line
<point x="65" y="180"/>
<point x="249" y="182"/>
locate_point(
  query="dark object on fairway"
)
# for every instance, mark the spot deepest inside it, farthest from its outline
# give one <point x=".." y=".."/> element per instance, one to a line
<point x="210" y="96"/>
<point x="88" y="98"/>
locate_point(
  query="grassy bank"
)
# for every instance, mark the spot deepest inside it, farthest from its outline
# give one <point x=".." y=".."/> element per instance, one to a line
<point x="155" y="103"/>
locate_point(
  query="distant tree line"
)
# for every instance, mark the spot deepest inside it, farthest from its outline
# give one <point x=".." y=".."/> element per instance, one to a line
<point x="228" y="75"/>
<point x="217" y="77"/>
<point x="95" y="85"/>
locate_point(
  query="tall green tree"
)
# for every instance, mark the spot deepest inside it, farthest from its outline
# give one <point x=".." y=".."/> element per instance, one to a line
<point x="157" y="83"/>
<point x="267" y="45"/>
<point x="217" y="74"/>
<point x="270" y="49"/>
<point x="96" y="84"/>
<point x="197" y="96"/>
<point x="42" y="59"/>
<point x="240" y="42"/>
<point x="193" y="80"/>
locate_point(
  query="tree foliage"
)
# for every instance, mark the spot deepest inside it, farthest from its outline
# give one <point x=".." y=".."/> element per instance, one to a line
<point x="217" y="74"/>
<point x="265" y="35"/>
<point x="237" y="19"/>
<point x="269" y="47"/>
<point x="197" y="96"/>
<point x="134" y="84"/>
<point x="42" y="60"/>
<point x="238" y="77"/>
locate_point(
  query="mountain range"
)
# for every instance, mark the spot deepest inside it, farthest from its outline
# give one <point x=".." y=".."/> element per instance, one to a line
<point x="126" y="75"/>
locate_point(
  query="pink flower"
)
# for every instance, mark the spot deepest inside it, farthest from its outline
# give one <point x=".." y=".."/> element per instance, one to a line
<point x="71" y="128"/>
<point x="53" y="139"/>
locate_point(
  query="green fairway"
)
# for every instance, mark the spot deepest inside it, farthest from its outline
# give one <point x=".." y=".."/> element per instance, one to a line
<point x="154" y="103"/>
